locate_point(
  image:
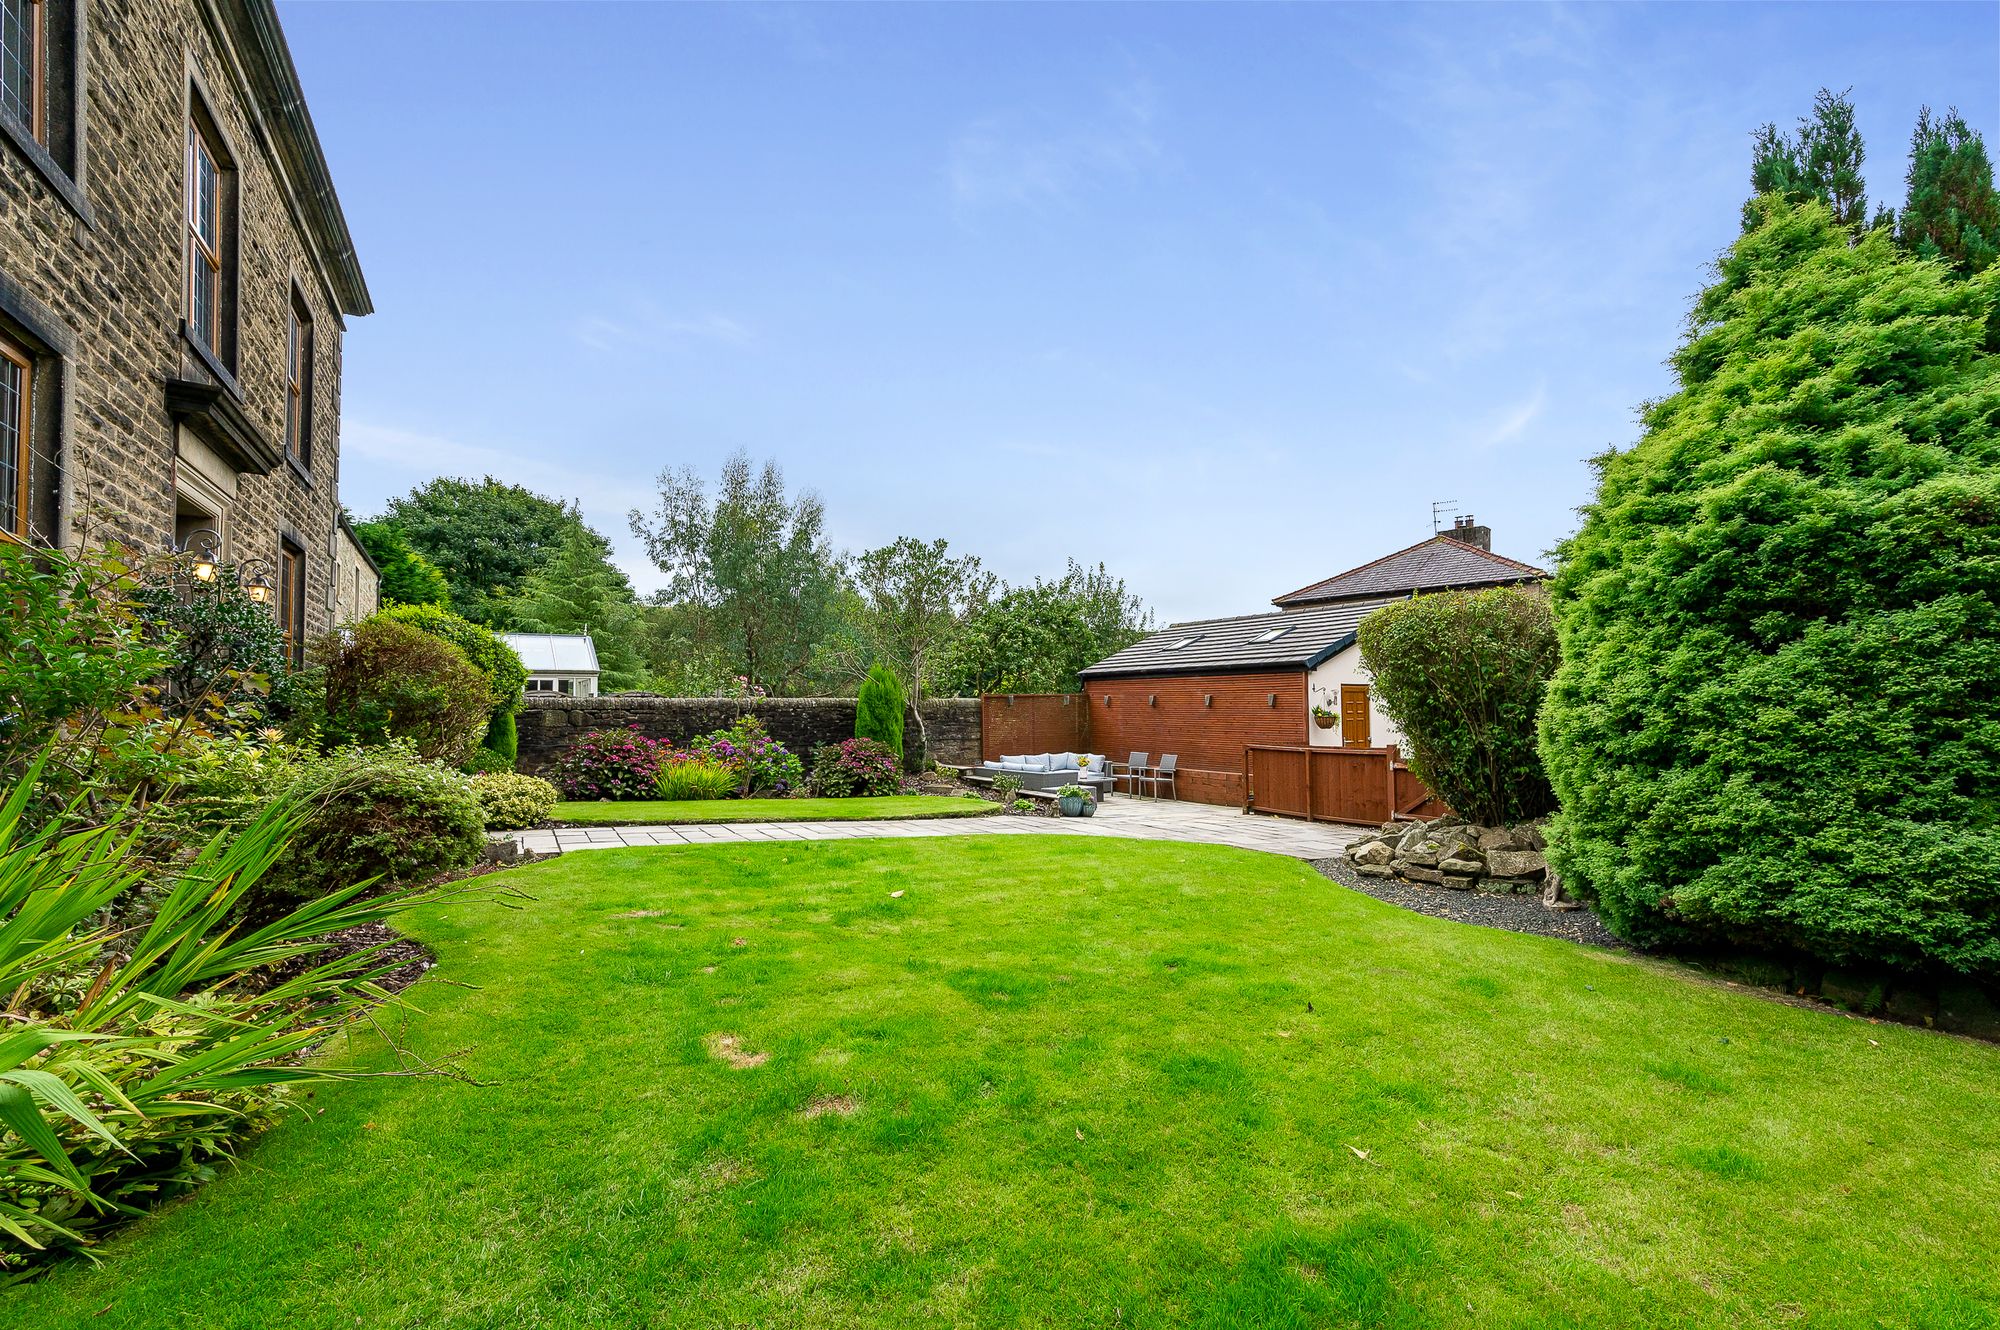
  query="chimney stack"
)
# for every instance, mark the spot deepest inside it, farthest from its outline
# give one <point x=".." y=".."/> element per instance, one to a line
<point x="1464" y="528"/>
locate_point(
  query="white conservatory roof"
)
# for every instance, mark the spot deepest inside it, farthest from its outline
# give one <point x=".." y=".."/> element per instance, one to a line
<point x="554" y="653"/>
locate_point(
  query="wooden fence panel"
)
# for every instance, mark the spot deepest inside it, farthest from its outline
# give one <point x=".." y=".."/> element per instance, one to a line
<point x="1362" y="786"/>
<point x="1279" y="778"/>
<point x="1414" y="798"/>
<point x="1350" y="785"/>
<point x="1032" y="723"/>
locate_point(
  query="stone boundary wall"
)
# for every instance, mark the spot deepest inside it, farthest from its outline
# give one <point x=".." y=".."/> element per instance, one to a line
<point x="547" y="724"/>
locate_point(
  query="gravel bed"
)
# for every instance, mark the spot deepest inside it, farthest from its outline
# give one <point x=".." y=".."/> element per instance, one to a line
<point x="1516" y="914"/>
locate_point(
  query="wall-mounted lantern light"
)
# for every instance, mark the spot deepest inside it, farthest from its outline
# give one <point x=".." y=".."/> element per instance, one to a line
<point x="1272" y="698"/>
<point x="1152" y="699"/>
<point x="1208" y="699"/>
<point x="204" y="548"/>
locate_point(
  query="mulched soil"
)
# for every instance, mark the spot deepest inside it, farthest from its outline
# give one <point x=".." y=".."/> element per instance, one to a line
<point x="1516" y="914"/>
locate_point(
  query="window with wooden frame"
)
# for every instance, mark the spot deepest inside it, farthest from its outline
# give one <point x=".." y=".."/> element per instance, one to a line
<point x="211" y="248"/>
<point x="292" y="601"/>
<point x="24" y="64"/>
<point x="298" y="381"/>
<point x="17" y="387"/>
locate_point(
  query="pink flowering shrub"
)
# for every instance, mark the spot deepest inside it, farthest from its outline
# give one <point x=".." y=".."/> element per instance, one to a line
<point x="610" y="764"/>
<point x="856" y="768"/>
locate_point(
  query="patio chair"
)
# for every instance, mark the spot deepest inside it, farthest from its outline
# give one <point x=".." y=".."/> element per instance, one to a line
<point x="1131" y="771"/>
<point x="1163" y="774"/>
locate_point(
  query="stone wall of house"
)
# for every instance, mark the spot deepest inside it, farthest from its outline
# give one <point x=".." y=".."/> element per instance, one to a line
<point x="91" y="280"/>
<point x="548" y="724"/>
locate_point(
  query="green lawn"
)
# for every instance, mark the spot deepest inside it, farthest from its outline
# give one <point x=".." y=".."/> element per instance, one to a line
<point x="1077" y="1082"/>
<point x="776" y="810"/>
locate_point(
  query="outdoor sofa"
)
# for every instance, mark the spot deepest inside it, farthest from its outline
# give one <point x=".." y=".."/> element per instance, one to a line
<point x="1048" y="771"/>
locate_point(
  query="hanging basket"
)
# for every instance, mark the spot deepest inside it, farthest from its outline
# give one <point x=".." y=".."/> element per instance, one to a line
<point x="1324" y="722"/>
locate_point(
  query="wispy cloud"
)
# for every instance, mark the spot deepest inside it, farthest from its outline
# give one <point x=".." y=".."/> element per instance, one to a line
<point x="1035" y="160"/>
<point x="650" y="328"/>
<point x="402" y="453"/>
<point x="1512" y="421"/>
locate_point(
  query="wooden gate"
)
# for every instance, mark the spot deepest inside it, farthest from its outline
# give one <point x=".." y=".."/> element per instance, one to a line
<point x="1364" y="786"/>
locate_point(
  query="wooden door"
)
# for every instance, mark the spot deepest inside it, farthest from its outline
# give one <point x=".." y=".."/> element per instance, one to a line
<point x="1354" y="715"/>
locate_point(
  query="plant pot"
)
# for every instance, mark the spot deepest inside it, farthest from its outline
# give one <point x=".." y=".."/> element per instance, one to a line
<point x="1071" y="805"/>
<point x="1324" y="722"/>
<point x="1089" y="808"/>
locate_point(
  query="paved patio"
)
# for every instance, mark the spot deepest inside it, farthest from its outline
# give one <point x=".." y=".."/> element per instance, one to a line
<point x="1139" y="819"/>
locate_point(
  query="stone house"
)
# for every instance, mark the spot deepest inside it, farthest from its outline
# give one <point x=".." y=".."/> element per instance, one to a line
<point x="175" y="279"/>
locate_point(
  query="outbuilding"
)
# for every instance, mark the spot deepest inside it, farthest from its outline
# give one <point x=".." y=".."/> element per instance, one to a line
<point x="558" y="663"/>
<point x="1208" y="690"/>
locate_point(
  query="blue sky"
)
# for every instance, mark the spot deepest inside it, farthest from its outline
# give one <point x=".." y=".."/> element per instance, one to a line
<point x="1222" y="296"/>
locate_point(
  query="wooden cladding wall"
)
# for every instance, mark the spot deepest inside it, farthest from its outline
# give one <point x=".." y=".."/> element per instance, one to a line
<point x="1206" y="720"/>
<point x="1033" y="723"/>
<point x="1365" y="786"/>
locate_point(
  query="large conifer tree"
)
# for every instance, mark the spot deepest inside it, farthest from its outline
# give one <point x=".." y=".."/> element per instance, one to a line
<point x="1952" y="211"/>
<point x="1776" y="718"/>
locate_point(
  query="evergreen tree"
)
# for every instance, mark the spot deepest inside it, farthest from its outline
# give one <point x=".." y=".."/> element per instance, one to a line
<point x="408" y="578"/>
<point x="1822" y="161"/>
<point x="878" y="712"/>
<point x="580" y="590"/>
<point x="1774" y="722"/>
<point x="1951" y="210"/>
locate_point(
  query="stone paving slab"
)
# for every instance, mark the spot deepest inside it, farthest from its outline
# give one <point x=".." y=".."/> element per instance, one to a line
<point x="1138" y="819"/>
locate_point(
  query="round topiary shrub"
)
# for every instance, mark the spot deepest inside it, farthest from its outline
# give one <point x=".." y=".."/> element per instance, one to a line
<point x="385" y="680"/>
<point x="609" y="764"/>
<point x="379" y="813"/>
<point x="1462" y="674"/>
<point x="510" y="802"/>
<point x="503" y="737"/>
<point x="855" y="768"/>
<point x="499" y="664"/>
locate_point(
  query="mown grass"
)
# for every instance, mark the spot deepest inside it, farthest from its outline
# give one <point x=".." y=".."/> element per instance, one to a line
<point x="896" y="806"/>
<point x="1091" y="1082"/>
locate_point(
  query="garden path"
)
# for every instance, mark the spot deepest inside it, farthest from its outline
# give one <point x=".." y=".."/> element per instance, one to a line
<point x="1141" y="819"/>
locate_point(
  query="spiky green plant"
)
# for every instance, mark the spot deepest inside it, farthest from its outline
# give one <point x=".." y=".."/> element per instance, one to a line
<point x="181" y="1034"/>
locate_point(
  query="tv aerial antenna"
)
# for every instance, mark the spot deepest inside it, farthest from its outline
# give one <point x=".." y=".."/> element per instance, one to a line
<point x="1438" y="511"/>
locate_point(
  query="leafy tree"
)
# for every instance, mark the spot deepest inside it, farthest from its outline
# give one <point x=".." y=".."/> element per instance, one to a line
<point x="913" y="597"/>
<point x="754" y="566"/>
<point x="486" y="536"/>
<point x="1951" y="210"/>
<point x="1821" y="161"/>
<point x="1775" y="721"/>
<point x="1462" y="674"/>
<point x="408" y="578"/>
<point x="580" y="590"/>
<point x="681" y="657"/>
<point x="1037" y="638"/>
<point x="878" y="713"/>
